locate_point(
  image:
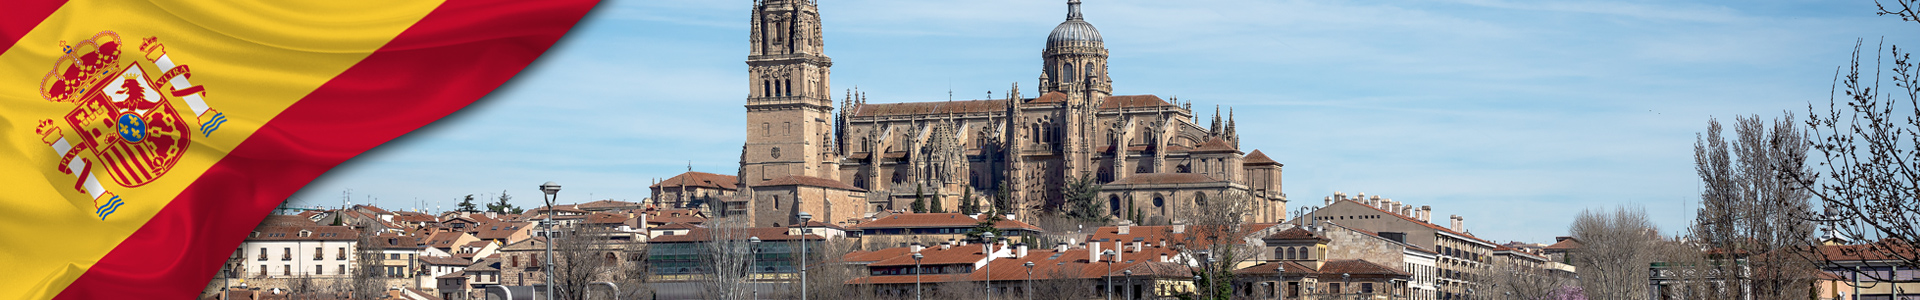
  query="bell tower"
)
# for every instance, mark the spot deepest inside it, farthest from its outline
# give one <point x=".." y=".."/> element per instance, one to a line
<point x="788" y="108"/>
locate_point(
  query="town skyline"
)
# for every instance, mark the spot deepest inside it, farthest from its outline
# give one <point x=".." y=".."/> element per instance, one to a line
<point x="1470" y="126"/>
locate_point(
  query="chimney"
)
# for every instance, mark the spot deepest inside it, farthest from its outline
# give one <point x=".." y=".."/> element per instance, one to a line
<point x="962" y="242"/>
<point x="1136" y="245"/>
<point x="1093" y="252"/>
<point x="1361" y="197"/>
<point x="1180" y="229"/>
<point x="1456" y="226"/>
<point x="1124" y="229"/>
<point x="916" y="247"/>
<point x="1118" y="250"/>
<point x="1062" y="247"/>
<point x="1426" y="213"/>
<point x="1392" y="207"/>
<point x="947" y="245"/>
<point x="1329" y="200"/>
<point x="1020" y="250"/>
<point x="1008" y="216"/>
<point x="1163" y="257"/>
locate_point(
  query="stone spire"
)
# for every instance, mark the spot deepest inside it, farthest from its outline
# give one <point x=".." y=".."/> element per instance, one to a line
<point x="1215" y="129"/>
<point x="1232" y="137"/>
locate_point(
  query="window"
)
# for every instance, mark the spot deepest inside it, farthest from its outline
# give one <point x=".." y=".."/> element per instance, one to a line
<point x="516" y="262"/>
<point x="317" y="254"/>
<point x="263" y="257"/>
<point x="317" y="270"/>
<point x="343" y="269"/>
<point x="286" y="253"/>
<point x="263" y="268"/>
<point x="1366" y="287"/>
<point x="286" y="270"/>
<point x="766" y="129"/>
<point x="343" y="254"/>
<point x="1069" y="71"/>
<point x="393" y="256"/>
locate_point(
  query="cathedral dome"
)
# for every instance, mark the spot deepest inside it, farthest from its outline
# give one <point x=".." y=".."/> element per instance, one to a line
<point x="1075" y="32"/>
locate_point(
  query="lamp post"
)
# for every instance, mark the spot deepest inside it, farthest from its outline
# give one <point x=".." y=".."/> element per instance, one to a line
<point x="753" y="254"/>
<point x="552" y="191"/>
<point x="986" y="242"/>
<point x="916" y="275"/>
<point x="1346" y="283"/>
<point x="1280" y="279"/>
<point x="1108" y="256"/>
<point x="1127" y="292"/>
<point x="804" y="231"/>
<point x="1029" y="280"/>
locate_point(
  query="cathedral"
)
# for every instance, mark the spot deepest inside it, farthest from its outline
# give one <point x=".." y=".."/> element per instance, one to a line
<point x="1153" y="161"/>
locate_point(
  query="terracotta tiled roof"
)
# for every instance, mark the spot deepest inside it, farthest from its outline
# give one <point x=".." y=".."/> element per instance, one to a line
<point x="766" y="234"/>
<point x="606" y="204"/>
<point x="1051" y="97"/>
<point x="605" y="218"/>
<point x="407" y="216"/>
<point x="962" y="254"/>
<point x="1869" y="252"/>
<point x="394" y="241"/>
<point x="1073" y="263"/>
<point x="929" y="108"/>
<point x="1164" y="178"/>
<point x="564" y="208"/>
<point x="1154" y="234"/>
<point x="1357" y="267"/>
<point x="1416" y="221"/>
<point x="921" y="221"/>
<point x="287" y="220"/>
<point x="818" y="224"/>
<point x="444" y="240"/>
<point x="445" y="260"/>
<point x="1257" y="158"/>
<point x="1566" y="244"/>
<point x="313" y="233"/>
<point x="700" y="179"/>
<point x="671" y="220"/>
<point x="1214" y="145"/>
<point x="675" y="226"/>
<point x="1132" y="101"/>
<point x="809" y="181"/>
<point x="499" y="230"/>
<point x="1296" y="233"/>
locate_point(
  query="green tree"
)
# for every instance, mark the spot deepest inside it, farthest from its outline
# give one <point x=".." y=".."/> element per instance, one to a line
<point x="1081" y="203"/>
<point x="502" y="206"/>
<point x="467" y="205"/>
<point x="967" y="204"/>
<point x="919" y="200"/>
<point x="937" y="207"/>
<point x="1003" y="197"/>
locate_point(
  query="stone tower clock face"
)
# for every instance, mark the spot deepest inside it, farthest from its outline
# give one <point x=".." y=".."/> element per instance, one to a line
<point x="776" y="152"/>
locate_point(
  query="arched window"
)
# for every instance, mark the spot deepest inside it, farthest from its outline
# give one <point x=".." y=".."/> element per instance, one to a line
<point x="1199" y="199"/>
<point x="788" y="83"/>
<point x="766" y="88"/>
<point x="1090" y="70"/>
<point x="1113" y="204"/>
<point x="1289" y="252"/>
<point x="1069" y="73"/>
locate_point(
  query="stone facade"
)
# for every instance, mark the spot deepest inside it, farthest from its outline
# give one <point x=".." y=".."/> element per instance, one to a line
<point x="875" y="157"/>
<point x="1459" y="257"/>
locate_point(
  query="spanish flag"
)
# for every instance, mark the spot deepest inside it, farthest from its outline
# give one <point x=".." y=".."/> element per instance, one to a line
<point x="141" y="140"/>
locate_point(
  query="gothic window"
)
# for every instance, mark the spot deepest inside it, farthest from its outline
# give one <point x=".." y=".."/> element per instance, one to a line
<point x="1113" y="204"/>
<point x="1199" y="199"/>
<point x="788" y="84"/>
<point x="766" y="88"/>
<point x="1069" y="72"/>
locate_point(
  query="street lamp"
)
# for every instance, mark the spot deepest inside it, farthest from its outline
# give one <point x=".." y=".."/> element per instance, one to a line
<point x="1029" y="280"/>
<point x="916" y="275"/>
<point x="1196" y="287"/>
<point x="1346" y="280"/>
<point x="552" y="191"/>
<point x="804" y="231"/>
<point x="1108" y="255"/>
<point x="1127" y="292"/>
<point x="986" y="242"/>
<point x="1280" y="278"/>
<point x="753" y="250"/>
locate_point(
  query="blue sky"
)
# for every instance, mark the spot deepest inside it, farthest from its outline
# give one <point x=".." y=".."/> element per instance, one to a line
<point x="1513" y="114"/>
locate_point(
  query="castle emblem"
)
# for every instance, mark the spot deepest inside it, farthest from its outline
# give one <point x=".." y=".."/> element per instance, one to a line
<point x="126" y="117"/>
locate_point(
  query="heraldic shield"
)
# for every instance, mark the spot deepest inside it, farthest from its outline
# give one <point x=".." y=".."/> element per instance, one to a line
<point x="123" y="116"/>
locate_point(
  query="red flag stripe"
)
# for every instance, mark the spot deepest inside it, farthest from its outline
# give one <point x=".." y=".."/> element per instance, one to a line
<point x="20" y="17"/>
<point x="452" y="57"/>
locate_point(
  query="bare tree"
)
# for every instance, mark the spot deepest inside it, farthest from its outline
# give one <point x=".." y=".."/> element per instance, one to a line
<point x="1617" y="249"/>
<point x="1866" y="141"/>
<point x="366" y="279"/>
<point x="1216" y="240"/>
<point x="1753" y="223"/>
<point x="634" y="275"/>
<point x="827" y="273"/>
<point x="583" y="255"/>
<point x="728" y="253"/>
<point x="1063" y="283"/>
<point x="957" y="287"/>
<point x="1526" y="282"/>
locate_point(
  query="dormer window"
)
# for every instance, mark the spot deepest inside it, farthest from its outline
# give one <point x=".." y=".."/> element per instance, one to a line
<point x="305" y="233"/>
